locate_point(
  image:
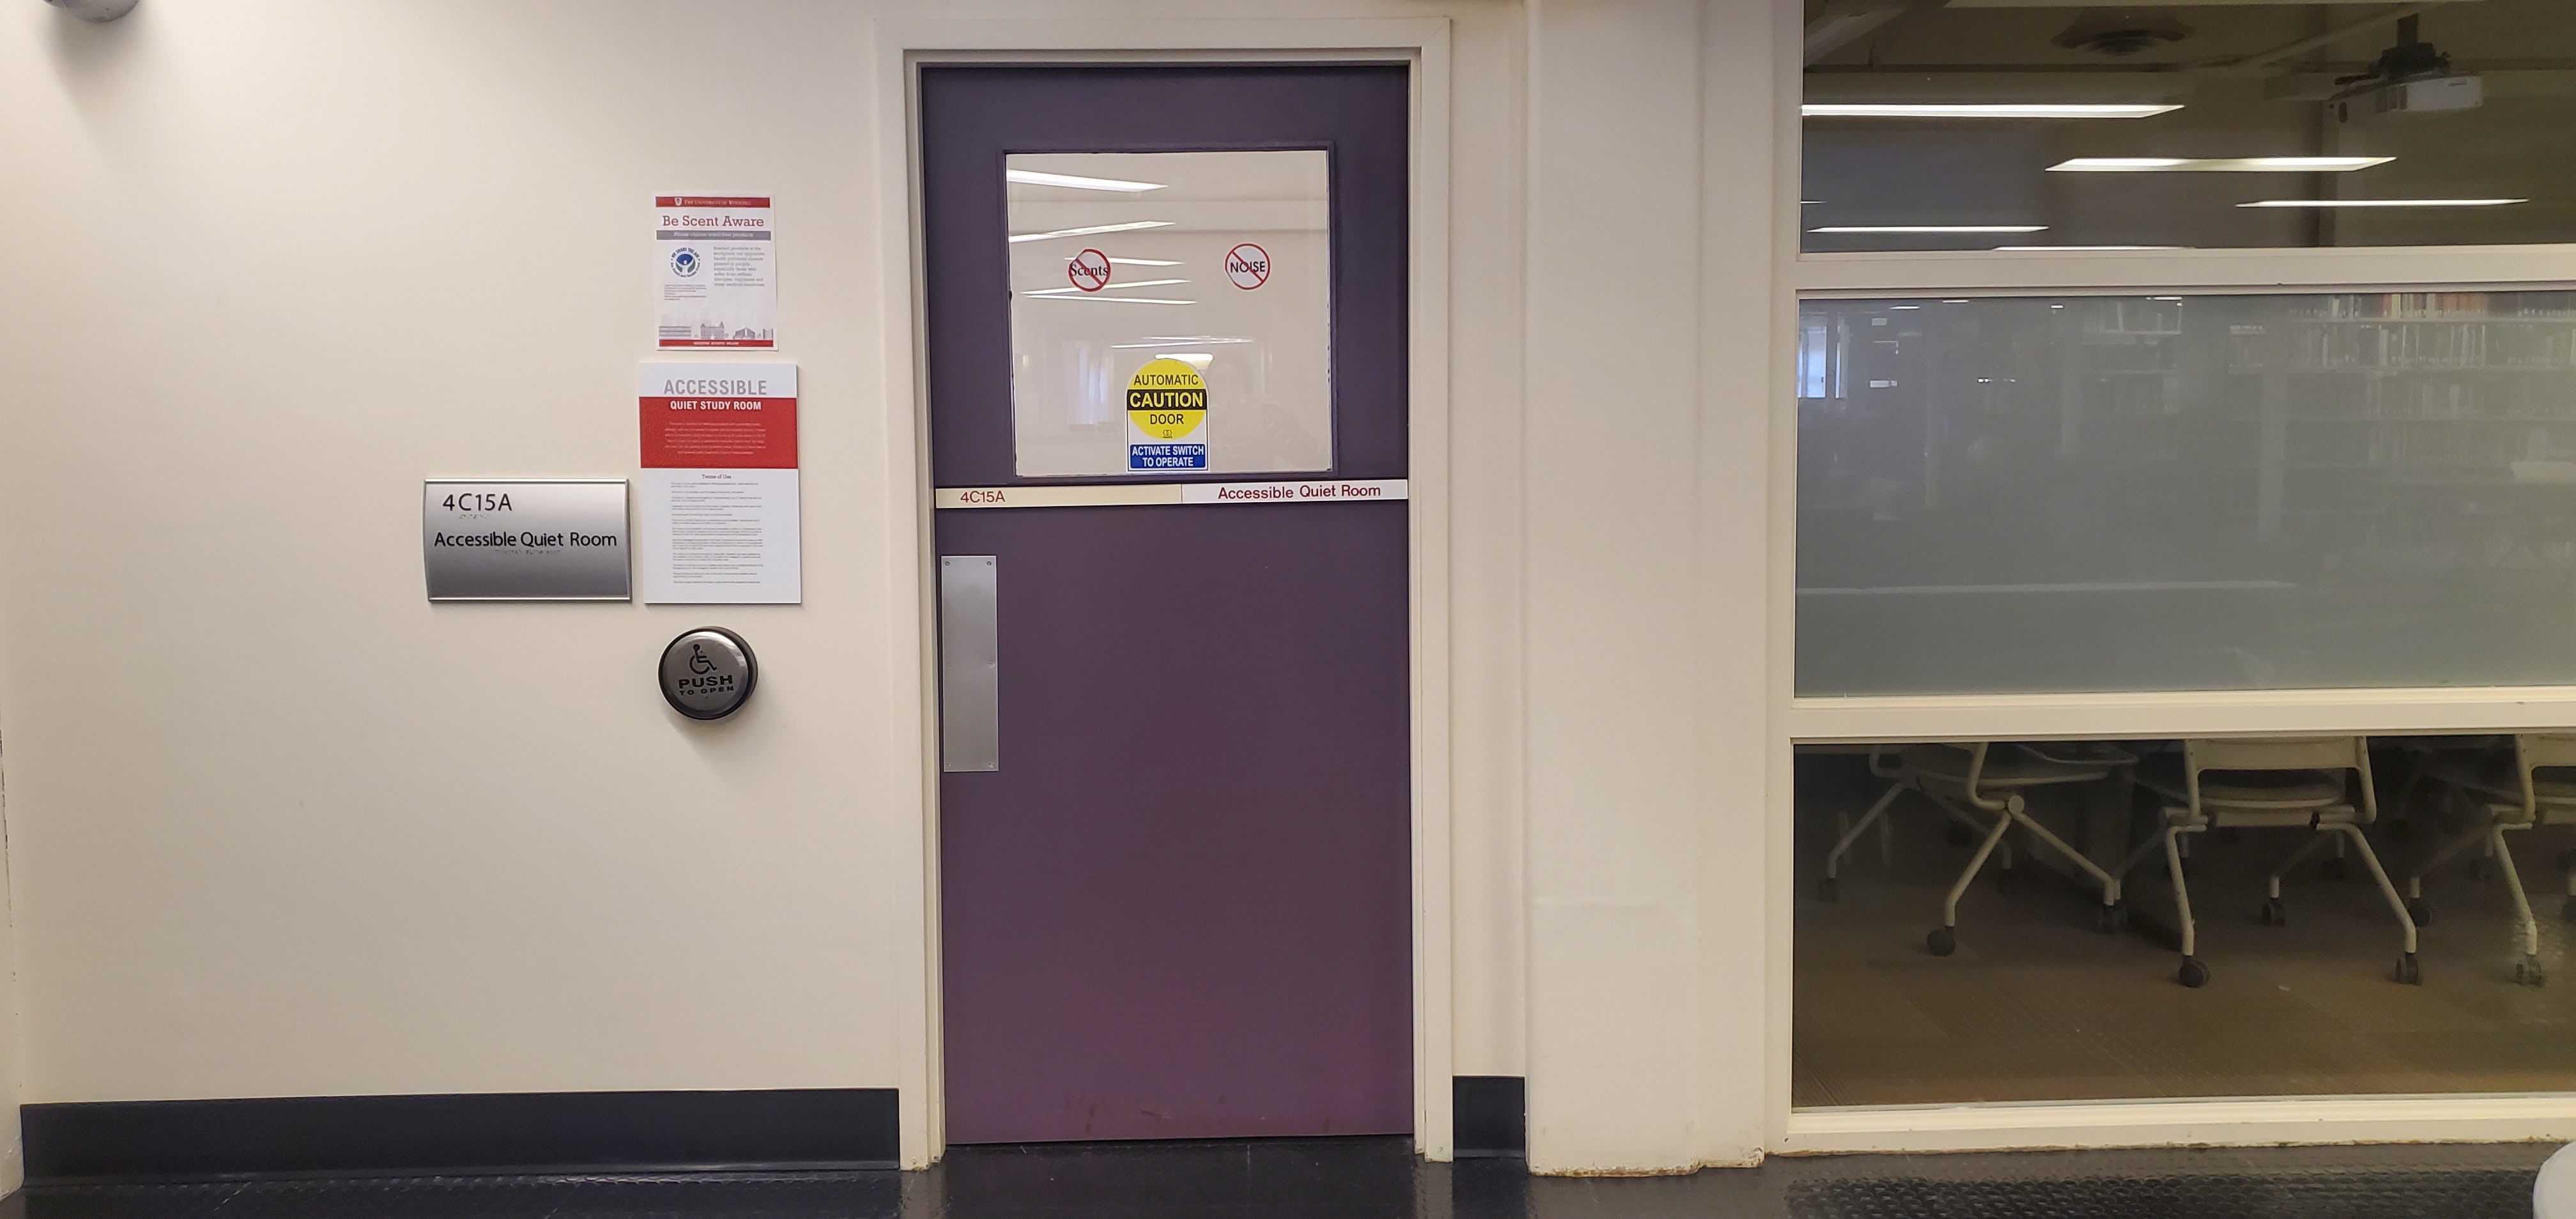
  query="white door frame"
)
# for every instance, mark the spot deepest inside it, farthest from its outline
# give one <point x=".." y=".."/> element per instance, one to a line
<point x="901" y="48"/>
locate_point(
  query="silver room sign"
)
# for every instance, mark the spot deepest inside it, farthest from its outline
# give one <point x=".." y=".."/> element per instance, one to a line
<point x="532" y="539"/>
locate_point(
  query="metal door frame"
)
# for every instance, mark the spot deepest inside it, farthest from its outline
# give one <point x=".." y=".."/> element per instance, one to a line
<point x="910" y="759"/>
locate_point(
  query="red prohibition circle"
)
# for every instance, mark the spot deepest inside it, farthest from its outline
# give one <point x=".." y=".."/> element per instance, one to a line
<point x="1256" y="268"/>
<point x="1089" y="270"/>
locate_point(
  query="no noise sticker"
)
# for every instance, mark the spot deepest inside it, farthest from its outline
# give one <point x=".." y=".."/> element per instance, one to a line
<point x="1248" y="265"/>
<point x="1089" y="270"/>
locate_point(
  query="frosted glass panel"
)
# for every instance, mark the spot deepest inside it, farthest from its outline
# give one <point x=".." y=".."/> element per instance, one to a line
<point x="2213" y="492"/>
<point x="1220" y="261"/>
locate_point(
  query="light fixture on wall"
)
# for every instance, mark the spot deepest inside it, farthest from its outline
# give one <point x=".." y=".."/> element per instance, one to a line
<point x="94" y="10"/>
<point x="2215" y="165"/>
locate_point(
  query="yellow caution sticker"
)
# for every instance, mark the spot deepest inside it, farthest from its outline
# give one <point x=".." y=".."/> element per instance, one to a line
<point x="1167" y="417"/>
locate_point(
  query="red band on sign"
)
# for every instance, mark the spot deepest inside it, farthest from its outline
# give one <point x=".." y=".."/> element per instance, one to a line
<point x="719" y="433"/>
<point x="711" y="201"/>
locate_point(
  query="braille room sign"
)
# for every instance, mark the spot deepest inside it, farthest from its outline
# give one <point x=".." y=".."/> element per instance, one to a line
<point x="542" y="539"/>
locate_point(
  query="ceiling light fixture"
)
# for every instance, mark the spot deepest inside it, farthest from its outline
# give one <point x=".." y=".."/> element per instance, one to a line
<point x="1987" y="110"/>
<point x="1031" y="177"/>
<point x="2216" y="165"/>
<point x="2382" y="202"/>
<point x="1132" y="300"/>
<point x="1129" y="227"/>
<point x="1932" y="228"/>
<point x="1142" y="283"/>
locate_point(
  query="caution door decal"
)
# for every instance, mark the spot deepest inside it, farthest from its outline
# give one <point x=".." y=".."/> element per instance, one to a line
<point x="1166" y="418"/>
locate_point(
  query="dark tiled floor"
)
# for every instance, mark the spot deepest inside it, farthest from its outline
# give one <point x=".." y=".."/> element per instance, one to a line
<point x="1372" y="1178"/>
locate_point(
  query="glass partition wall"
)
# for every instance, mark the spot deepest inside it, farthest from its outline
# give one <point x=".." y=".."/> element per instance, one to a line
<point x="2153" y="404"/>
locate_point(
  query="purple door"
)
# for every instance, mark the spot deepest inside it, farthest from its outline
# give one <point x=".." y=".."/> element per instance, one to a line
<point x="1179" y="906"/>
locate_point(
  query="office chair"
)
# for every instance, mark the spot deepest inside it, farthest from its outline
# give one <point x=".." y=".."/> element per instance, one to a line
<point x="2513" y="795"/>
<point x="2267" y="783"/>
<point x="1990" y="780"/>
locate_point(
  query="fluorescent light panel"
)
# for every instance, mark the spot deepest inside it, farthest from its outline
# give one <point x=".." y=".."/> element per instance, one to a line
<point x="1129" y="227"/>
<point x="2382" y="202"/>
<point x="2215" y="165"/>
<point x="1932" y="228"/>
<point x="1142" y="283"/>
<point x="1031" y="177"/>
<point x="1987" y="110"/>
<point x="1169" y="340"/>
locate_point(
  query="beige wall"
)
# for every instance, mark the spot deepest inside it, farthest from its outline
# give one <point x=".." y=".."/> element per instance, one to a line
<point x="284" y="828"/>
<point x="279" y="827"/>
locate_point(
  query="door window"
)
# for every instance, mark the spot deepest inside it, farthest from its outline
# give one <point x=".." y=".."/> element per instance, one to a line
<point x="1213" y="262"/>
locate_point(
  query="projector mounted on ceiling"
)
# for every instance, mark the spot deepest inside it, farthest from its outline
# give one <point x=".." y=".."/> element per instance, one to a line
<point x="2409" y="78"/>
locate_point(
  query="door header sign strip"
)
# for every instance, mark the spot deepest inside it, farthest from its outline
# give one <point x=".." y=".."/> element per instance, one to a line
<point x="1108" y="495"/>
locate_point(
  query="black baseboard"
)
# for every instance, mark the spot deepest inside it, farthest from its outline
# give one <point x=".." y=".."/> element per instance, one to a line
<point x="1489" y="1115"/>
<point x="524" y="1132"/>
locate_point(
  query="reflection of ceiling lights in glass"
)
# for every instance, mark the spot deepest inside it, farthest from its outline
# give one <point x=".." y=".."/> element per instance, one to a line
<point x="1142" y="283"/>
<point x="2055" y="248"/>
<point x="1132" y="300"/>
<point x="1031" y="177"/>
<point x="1195" y="359"/>
<point x="1116" y="261"/>
<point x="2216" y="165"/>
<point x="1129" y="227"/>
<point x="1932" y="228"/>
<point x="1173" y="339"/>
<point x="1986" y="110"/>
<point x="2382" y="202"/>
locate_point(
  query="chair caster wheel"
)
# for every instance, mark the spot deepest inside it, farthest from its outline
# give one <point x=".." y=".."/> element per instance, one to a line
<point x="1942" y="941"/>
<point x="2274" y="913"/>
<point x="2194" y="973"/>
<point x="2527" y="971"/>
<point x="2333" y="869"/>
<point x="2408" y="972"/>
<point x="2111" y="920"/>
<point x="1829" y="890"/>
<point x="1959" y="836"/>
<point x="2419" y="910"/>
